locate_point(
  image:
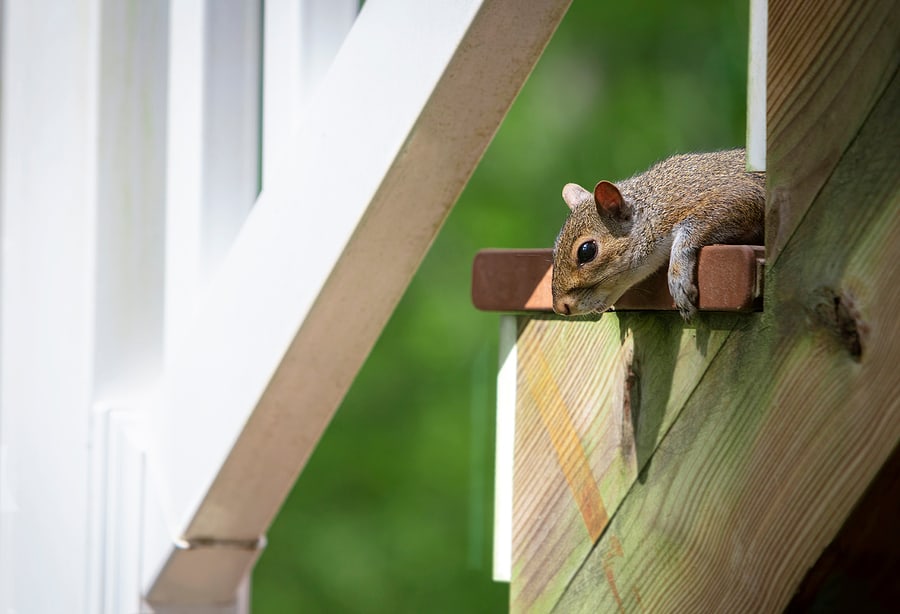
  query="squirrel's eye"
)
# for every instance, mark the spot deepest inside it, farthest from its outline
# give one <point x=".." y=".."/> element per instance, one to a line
<point x="587" y="251"/>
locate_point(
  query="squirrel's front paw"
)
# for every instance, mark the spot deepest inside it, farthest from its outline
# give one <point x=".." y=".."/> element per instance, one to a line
<point x="683" y="290"/>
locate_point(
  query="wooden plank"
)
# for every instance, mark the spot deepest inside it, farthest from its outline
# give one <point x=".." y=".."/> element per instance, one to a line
<point x="728" y="276"/>
<point x="793" y="420"/>
<point x="828" y="64"/>
<point x="858" y="570"/>
<point x="320" y="264"/>
<point x="595" y="397"/>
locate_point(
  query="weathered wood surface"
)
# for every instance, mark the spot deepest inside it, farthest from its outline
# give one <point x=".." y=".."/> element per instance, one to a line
<point x="779" y="429"/>
<point x="791" y="422"/>
<point x="858" y="570"/>
<point x="828" y="64"/>
<point x="583" y="433"/>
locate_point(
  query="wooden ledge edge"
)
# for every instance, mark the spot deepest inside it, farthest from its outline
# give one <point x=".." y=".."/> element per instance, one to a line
<point x="513" y="280"/>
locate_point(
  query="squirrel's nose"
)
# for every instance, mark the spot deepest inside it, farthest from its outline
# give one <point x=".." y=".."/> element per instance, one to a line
<point x="562" y="308"/>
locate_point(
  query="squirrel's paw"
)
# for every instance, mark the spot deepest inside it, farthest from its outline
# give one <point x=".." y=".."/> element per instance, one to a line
<point x="684" y="291"/>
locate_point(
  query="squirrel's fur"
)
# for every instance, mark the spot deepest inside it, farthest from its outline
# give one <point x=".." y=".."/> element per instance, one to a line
<point x="664" y="214"/>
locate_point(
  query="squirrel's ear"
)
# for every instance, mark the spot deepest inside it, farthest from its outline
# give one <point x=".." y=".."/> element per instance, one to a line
<point x="609" y="199"/>
<point x="574" y="195"/>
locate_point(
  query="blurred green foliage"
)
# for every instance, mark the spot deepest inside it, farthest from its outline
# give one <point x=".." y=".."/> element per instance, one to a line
<point x="394" y="510"/>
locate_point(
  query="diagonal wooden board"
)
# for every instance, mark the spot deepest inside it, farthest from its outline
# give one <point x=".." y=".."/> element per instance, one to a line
<point x="595" y="398"/>
<point x="701" y="530"/>
<point x="828" y="63"/>
<point x="794" y="418"/>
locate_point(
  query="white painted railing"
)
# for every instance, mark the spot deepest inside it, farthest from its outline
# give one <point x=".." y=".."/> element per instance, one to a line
<point x="130" y="159"/>
<point x="172" y="346"/>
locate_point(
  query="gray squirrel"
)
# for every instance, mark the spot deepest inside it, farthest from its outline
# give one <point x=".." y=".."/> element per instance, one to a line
<point x="620" y="233"/>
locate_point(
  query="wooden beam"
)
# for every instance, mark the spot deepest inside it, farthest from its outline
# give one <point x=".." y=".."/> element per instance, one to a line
<point x="791" y="423"/>
<point x="745" y="484"/>
<point x="594" y="400"/>
<point x="827" y="65"/>
<point x="729" y="278"/>
<point x="858" y="570"/>
<point x="394" y="132"/>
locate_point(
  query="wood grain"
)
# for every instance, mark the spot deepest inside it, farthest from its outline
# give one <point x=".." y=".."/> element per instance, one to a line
<point x="584" y="432"/>
<point x="828" y="64"/>
<point x="858" y="570"/>
<point x="794" y="418"/>
<point x="745" y="481"/>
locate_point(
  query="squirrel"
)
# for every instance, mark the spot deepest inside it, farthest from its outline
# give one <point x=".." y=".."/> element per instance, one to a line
<point x="620" y="233"/>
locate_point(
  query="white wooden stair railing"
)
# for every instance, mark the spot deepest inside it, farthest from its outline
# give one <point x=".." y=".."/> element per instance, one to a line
<point x="128" y="147"/>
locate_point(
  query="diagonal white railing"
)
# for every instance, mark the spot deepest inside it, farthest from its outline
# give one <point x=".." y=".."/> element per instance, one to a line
<point x="127" y="175"/>
<point x="395" y="130"/>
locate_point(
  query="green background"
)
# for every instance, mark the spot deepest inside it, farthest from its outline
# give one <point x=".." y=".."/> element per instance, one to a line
<point x="394" y="511"/>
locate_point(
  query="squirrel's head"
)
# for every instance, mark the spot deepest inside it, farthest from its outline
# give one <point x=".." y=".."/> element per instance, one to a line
<point x="591" y="264"/>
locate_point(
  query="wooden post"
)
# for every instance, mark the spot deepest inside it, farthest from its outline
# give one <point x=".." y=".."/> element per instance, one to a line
<point x="666" y="467"/>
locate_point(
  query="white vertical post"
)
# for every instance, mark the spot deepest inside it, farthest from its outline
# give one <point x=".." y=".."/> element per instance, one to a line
<point x="756" y="85"/>
<point x="7" y="503"/>
<point x="281" y="81"/>
<point x="213" y="144"/>
<point x="184" y="174"/>
<point x="323" y="27"/>
<point x="130" y="196"/>
<point x="301" y="40"/>
<point x="503" y="464"/>
<point x="231" y="135"/>
<point x="117" y="517"/>
<point x="48" y="163"/>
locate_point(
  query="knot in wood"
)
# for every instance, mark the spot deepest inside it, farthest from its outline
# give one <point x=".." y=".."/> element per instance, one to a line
<point x="836" y="312"/>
